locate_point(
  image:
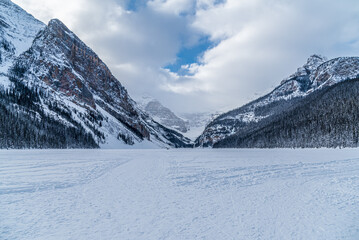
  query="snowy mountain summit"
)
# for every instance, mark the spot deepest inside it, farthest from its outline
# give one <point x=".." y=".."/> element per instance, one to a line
<point x="309" y="67"/>
<point x="69" y="86"/>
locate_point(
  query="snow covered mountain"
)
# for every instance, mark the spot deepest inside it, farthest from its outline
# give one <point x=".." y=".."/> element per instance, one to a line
<point x="17" y="31"/>
<point x="69" y="86"/>
<point x="162" y="114"/>
<point x="317" y="74"/>
<point x="190" y="124"/>
<point x="326" y="118"/>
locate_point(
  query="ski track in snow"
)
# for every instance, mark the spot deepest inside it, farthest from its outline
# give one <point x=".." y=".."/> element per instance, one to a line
<point x="179" y="194"/>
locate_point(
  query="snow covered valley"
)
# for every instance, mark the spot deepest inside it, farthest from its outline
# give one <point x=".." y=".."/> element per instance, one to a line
<point x="179" y="194"/>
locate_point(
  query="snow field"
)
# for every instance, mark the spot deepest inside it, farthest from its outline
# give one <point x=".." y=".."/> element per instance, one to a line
<point x="179" y="194"/>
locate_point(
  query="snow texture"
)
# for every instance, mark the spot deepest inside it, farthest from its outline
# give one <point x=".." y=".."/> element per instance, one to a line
<point x="178" y="194"/>
<point x="17" y="31"/>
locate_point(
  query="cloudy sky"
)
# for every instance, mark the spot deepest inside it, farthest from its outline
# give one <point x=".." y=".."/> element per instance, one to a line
<point x="206" y="55"/>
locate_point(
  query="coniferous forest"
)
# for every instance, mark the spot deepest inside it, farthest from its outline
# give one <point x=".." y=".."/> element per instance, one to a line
<point x="327" y="118"/>
<point x="24" y="123"/>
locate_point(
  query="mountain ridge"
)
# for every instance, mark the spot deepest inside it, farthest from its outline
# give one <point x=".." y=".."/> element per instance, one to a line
<point x="313" y="76"/>
<point x="326" y="118"/>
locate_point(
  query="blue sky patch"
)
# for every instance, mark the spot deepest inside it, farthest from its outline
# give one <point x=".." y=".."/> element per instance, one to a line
<point x="189" y="55"/>
<point x="134" y="5"/>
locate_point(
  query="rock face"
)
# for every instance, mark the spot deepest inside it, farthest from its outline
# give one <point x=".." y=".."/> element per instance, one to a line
<point x="23" y="121"/>
<point x="318" y="73"/>
<point x="75" y="88"/>
<point x="162" y="114"/>
<point x="308" y="68"/>
<point x="334" y="71"/>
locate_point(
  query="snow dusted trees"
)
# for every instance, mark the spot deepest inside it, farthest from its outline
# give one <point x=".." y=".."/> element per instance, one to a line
<point x="327" y="118"/>
<point x="24" y="123"/>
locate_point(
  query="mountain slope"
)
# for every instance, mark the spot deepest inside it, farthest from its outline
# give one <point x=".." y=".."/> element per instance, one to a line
<point x="17" y="31"/>
<point x="316" y="74"/>
<point x="23" y="123"/>
<point x="327" y="118"/>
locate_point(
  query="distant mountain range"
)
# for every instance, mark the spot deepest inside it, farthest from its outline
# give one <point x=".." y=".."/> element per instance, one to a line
<point x="57" y="93"/>
<point x="197" y="122"/>
<point x="317" y="106"/>
<point x="162" y="114"/>
<point x="189" y="124"/>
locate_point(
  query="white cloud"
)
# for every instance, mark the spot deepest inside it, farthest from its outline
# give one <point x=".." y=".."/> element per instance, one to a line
<point x="263" y="41"/>
<point x="260" y="42"/>
<point x="172" y="6"/>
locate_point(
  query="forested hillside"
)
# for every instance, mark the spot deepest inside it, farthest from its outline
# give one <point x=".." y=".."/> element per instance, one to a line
<point x="326" y="118"/>
<point x="24" y="123"/>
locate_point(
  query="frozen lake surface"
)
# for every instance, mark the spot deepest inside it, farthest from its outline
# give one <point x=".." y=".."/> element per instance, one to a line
<point x="179" y="194"/>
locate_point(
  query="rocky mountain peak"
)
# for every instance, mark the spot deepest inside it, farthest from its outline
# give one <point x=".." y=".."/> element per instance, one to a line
<point x="313" y="62"/>
<point x="60" y="30"/>
<point x="56" y="23"/>
<point x="63" y="62"/>
<point x="334" y="71"/>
